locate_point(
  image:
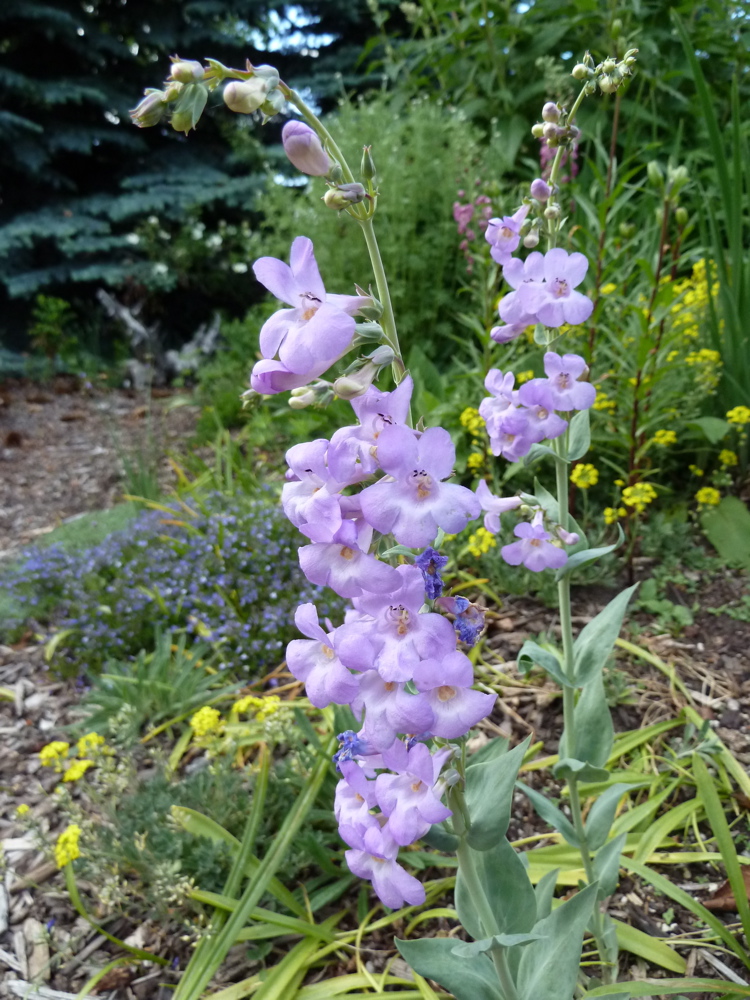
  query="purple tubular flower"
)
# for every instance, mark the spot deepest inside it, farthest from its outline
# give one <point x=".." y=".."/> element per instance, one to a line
<point x="431" y="562"/>
<point x="495" y="506"/>
<point x="355" y="796"/>
<point x="351" y="745"/>
<point x="511" y="331"/>
<point x="352" y="453"/>
<point x="411" y="797"/>
<point x="304" y="149"/>
<point x="314" y="661"/>
<point x="564" y="390"/>
<point x="310" y="336"/>
<point x="418" y="502"/>
<point x="543" y="422"/>
<point x="389" y="709"/>
<point x="534" y="550"/>
<point x="394" y="636"/>
<point x="526" y="278"/>
<point x="376" y="862"/>
<point x="563" y="272"/>
<point x="503" y="235"/>
<point x="469" y="623"/>
<point x="344" y="565"/>
<point x="447" y="684"/>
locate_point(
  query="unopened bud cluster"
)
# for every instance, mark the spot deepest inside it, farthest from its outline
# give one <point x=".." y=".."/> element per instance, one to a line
<point x="607" y="75"/>
<point x="185" y="93"/>
<point x="554" y="127"/>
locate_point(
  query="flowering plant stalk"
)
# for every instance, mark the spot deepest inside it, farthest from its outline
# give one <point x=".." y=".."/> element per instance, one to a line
<point x="375" y="503"/>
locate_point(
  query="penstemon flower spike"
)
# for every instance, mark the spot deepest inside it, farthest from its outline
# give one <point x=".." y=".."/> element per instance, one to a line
<point x="395" y="660"/>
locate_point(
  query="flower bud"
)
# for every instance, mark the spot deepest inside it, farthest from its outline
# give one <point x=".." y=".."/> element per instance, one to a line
<point x="344" y="195"/>
<point x="189" y="107"/>
<point x="150" y="110"/>
<point x="272" y="105"/>
<point x="580" y="72"/>
<point x="552" y="212"/>
<point x="608" y="65"/>
<point x="337" y="174"/>
<point x="551" y="112"/>
<point x="627" y="230"/>
<point x="187" y="71"/>
<point x="607" y="84"/>
<point x="537" y="130"/>
<point x="540" y="189"/>
<point x="245" y="96"/>
<point x="304" y="149"/>
<point x="616" y="28"/>
<point x="681" y="215"/>
<point x="531" y="239"/>
<point x="655" y="175"/>
<point x="550" y="131"/>
<point x="367" y="169"/>
<point x="301" y="397"/>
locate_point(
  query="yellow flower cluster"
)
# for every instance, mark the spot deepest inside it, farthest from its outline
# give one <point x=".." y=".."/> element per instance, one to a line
<point x="739" y="415"/>
<point x="607" y="289"/>
<point x="53" y="754"/>
<point x="728" y="457"/>
<point x="522" y="377"/>
<point x="604" y="402"/>
<point x="611" y="514"/>
<point x="22" y="809"/>
<point x="664" y="438"/>
<point x="695" y="470"/>
<point x="638" y="496"/>
<point x="262" y="707"/>
<point x="481" y="541"/>
<point x="693" y="301"/>
<point x="206" y="720"/>
<point x="475" y="461"/>
<point x="66" y="848"/>
<point x="584" y="476"/>
<point x="705" y="356"/>
<point x="89" y="742"/>
<point x="708" y="495"/>
<point x="77" y="769"/>
<point x="471" y="420"/>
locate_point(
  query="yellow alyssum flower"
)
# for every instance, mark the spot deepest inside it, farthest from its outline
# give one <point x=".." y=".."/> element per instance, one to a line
<point x="728" y="457"/>
<point x="471" y="420"/>
<point x="263" y="707"/>
<point x="481" y="541"/>
<point x="22" y="809"/>
<point x="708" y="495"/>
<point x="608" y="288"/>
<point x="53" y="754"/>
<point x="206" y="720"/>
<point x="739" y="415"/>
<point x="66" y="848"/>
<point x="475" y="461"/>
<point x="584" y="476"/>
<point x="76" y="769"/>
<point x="604" y="402"/>
<point x="664" y="438"/>
<point x="672" y="355"/>
<point x="695" y="470"/>
<point x="89" y="742"/>
<point x="611" y="515"/>
<point x="705" y="356"/>
<point x="522" y="377"/>
<point x="638" y="496"/>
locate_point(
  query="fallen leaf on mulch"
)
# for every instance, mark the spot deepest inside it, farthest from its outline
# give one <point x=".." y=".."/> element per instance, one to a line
<point x="723" y="898"/>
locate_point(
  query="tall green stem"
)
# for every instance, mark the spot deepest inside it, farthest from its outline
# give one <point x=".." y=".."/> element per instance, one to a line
<point x="486" y="917"/>
<point x="388" y="320"/>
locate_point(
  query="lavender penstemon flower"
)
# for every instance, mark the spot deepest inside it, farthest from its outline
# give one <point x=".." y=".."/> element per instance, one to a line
<point x="381" y="488"/>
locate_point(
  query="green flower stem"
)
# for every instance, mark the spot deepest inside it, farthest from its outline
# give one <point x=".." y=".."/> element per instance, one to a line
<point x="486" y="918"/>
<point x="556" y="165"/>
<point x="568" y="749"/>
<point x="388" y="320"/>
<point x="194" y="982"/>
<point x="364" y="218"/>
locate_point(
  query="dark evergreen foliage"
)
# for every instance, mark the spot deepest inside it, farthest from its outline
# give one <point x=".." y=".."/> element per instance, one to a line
<point x="76" y="176"/>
